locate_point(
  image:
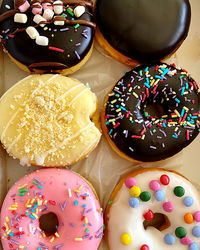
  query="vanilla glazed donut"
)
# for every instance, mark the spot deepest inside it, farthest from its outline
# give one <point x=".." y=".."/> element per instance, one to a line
<point x="47" y="36"/>
<point x="51" y="209"/>
<point x="49" y="120"/>
<point x="140" y="136"/>
<point x="153" y="209"/>
<point x="140" y="31"/>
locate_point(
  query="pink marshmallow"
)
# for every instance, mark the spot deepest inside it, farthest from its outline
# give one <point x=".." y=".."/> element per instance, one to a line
<point x="47" y="6"/>
<point x="37" y="10"/>
<point x="24" y="7"/>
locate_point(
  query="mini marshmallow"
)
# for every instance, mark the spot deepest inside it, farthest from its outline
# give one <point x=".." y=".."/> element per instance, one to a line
<point x="32" y="32"/>
<point x="37" y="19"/>
<point x="37" y="9"/>
<point x="46" y="6"/>
<point x="59" y="23"/>
<point x="42" y="40"/>
<point x="48" y="14"/>
<point x="20" y="18"/>
<point x="58" y="7"/>
<point x="79" y="11"/>
<point x="24" y="7"/>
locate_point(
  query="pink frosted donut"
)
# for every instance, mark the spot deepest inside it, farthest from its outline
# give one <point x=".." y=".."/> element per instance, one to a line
<point x="51" y="209"/>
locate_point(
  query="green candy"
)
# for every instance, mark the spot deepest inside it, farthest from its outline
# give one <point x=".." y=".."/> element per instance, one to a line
<point x="180" y="232"/>
<point x="179" y="191"/>
<point x="145" y="196"/>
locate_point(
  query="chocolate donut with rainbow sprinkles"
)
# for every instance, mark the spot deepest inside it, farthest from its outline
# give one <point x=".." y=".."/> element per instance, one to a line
<point x="152" y="112"/>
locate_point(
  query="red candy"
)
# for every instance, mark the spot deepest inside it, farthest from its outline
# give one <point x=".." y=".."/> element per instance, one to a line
<point x="164" y="179"/>
<point x="144" y="247"/>
<point x="148" y="215"/>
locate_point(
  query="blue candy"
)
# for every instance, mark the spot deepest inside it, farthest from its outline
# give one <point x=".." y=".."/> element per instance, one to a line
<point x="196" y="231"/>
<point x="193" y="246"/>
<point x="169" y="239"/>
<point x="188" y="201"/>
<point x="160" y="195"/>
<point x="134" y="202"/>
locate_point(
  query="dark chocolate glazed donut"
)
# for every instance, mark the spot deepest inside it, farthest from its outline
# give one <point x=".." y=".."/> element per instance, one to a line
<point x="141" y="136"/>
<point x="144" y="30"/>
<point x="68" y="44"/>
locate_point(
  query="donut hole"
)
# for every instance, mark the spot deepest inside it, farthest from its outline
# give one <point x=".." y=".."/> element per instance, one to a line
<point x="154" y="109"/>
<point x="49" y="223"/>
<point x="159" y="221"/>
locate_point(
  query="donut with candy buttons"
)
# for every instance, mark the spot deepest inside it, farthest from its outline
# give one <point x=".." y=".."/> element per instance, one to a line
<point x="140" y="31"/>
<point x="47" y="36"/>
<point x="153" y="209"/>
<point x="51" y="209"/>
<point x="152" y="113"/>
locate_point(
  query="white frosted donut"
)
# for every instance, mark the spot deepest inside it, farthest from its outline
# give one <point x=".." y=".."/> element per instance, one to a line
<point x="145" y="196"/>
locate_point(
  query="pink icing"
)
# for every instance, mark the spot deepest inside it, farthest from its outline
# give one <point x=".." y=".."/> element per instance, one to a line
<point x="186" y="241"/>
<point x="24" y="7"/>
<point x="83" y="220"/>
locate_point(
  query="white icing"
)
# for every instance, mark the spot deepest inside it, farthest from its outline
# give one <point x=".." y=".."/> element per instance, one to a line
<point x="124" y="219"/>
<point x="13" y="142"/>
<point x="68" y="91"/>
<point x="77" y="96"/>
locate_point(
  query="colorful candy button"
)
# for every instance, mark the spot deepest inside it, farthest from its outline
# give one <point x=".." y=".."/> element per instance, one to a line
<point x="148" y="215"/>
<point x="196" y="231"/>
<point x="179" y="191"/>
<point x="180" y="232"/>
<point x="126" y="239"/>
<point x="188" y="218"/>
<point x="168" y="206"/>
<point x="197" y="216"/>
<point x="193" y="246"/>
<point x="134" y="202"/>
<point x="130" y="182"/>
<point x="154" y="185"/>
<point x="145" y="196"/>
<point x="186" y="241"/>
<point x="169" y="239"/>
<point x="135" y="191"/>
<point x="144" y="247"/>
<point x="164" y="179"/>
<point x="188" y="201"/>
<point x="160" y="195"/>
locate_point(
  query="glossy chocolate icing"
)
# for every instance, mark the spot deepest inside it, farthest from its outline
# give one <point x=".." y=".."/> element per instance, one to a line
<point x="144" y="30"/>
<point x="144" y="137"/>
<point x="74" y="44"/>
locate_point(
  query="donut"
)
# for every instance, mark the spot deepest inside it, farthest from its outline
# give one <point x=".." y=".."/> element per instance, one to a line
<point x="49" y="120"/>
<point x="51" y="209"/>
<point x="153" y="209"/>
<point x="43" y="36"/>
<point x="152" y="113"/>
<point x="139" y="31"/>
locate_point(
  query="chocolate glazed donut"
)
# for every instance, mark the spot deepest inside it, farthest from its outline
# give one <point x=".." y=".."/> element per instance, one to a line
<point x="138" y="135"/>
<point x="68" y="37"/>
<point x="141" y="30"/>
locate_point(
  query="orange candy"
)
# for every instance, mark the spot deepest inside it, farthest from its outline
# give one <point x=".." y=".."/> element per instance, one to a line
<point x="188" y="218"/>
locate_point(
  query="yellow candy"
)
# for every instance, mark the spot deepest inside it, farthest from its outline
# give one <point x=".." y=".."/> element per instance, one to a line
<point x="126" y="239"/>
<point x="135" y="191"/>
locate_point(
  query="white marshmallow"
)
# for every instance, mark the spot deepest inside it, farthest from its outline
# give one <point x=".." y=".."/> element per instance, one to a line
<point x="79" y="11"/>
<point x="47" y="6"/>
<point x="42" y="40"/>
<point x="58" y="9"/>
<point x="37" y="19"/>
<point x="60" y="23"/>
<point x="48" y="14"/>
<point x="32" y="32"/>
<point x="20" y="18"/>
